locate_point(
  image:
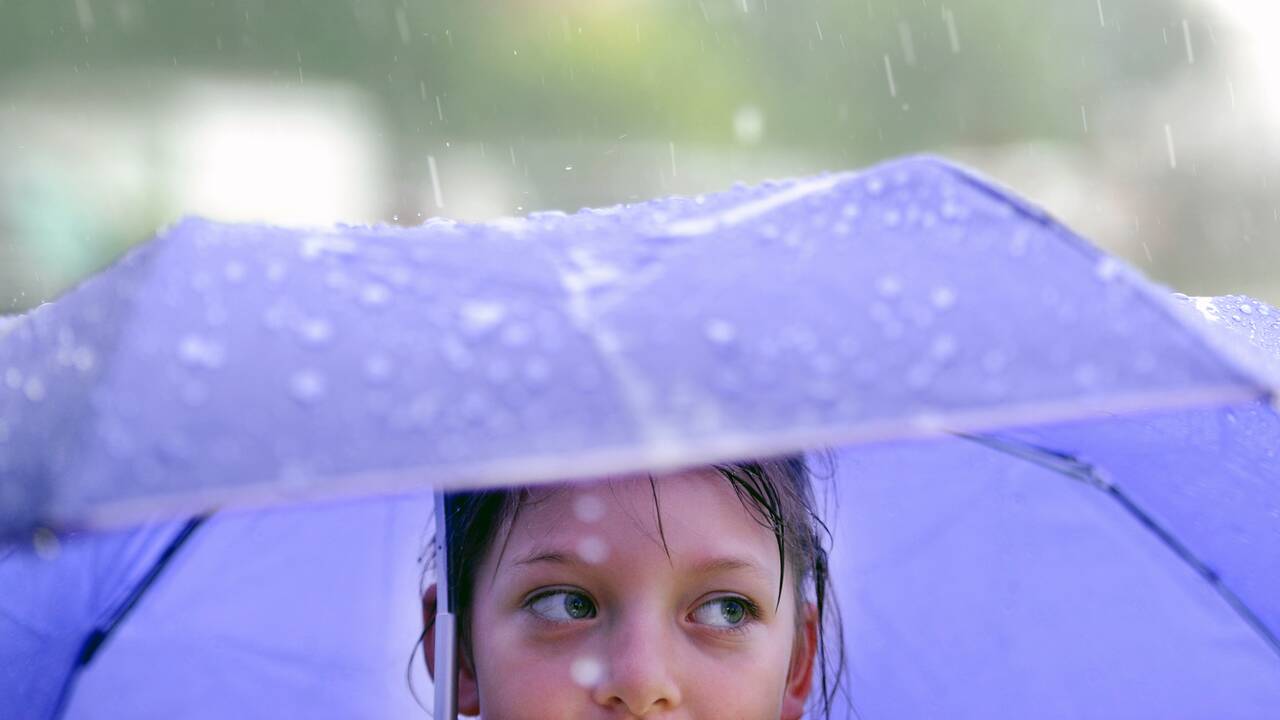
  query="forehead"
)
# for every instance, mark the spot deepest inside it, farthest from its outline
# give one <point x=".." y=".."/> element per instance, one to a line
<point x="697" y="512"/>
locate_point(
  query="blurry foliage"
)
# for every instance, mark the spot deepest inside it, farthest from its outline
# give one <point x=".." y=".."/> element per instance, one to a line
<point x="666" y="69"/>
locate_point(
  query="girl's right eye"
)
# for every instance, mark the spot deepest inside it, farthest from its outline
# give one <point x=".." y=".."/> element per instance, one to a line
<point x="562" y="606"/>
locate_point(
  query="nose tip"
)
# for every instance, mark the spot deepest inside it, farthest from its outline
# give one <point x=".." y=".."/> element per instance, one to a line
<point x="637" y="677"/>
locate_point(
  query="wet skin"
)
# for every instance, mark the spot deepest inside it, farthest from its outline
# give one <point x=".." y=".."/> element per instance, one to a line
<point x="585" y="616"/>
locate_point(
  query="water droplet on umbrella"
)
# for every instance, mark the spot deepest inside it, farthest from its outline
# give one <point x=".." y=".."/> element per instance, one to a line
<point x="850" y="210"/>
<point x="1246" y="309"/>
<point x="588" y="508"/>
<point x="720" y="331"/>
<point x="479" y="316"/>
<point x="943" y="347"/>
<point x="316" y="331"/>
<point x="234" y="272"/>
<point x="586" y="672"/>
<point x="875" y="186"/>
<point x="201" y="352"/>
<point x="892" y="218"/>
<point x="1107" y="268"/>
<point x="536" y="370"/>
<point x="275" y="271"/>
<point x="377" y="368"/>
<point x="317" y="245"/>
<point x="593" y="549"/>
<point x="307" y="385"/>
<point x="34" y="389"/>
<point x="889" y="285"/>
<point x="516" y="334"/>
<point x="942" y="297"/>
<point x="13" y="378"/>
<point x="375" y="294"/>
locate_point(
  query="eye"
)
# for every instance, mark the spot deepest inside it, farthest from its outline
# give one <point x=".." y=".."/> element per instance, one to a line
<point x="724" y="612"/>
<point x="562" y="606"/>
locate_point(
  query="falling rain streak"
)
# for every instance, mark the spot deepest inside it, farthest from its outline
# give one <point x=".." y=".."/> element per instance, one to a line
<point x="1168" y="141"/>
<point x="908" y="45"/>
<point x="1102" y="19"/>
<point x="435" y="179"/>
<point x="949" y="18"/>
<point x="1186" y="36"/>
<point x="888" y="72"/>
<point x="1084" y="118"/>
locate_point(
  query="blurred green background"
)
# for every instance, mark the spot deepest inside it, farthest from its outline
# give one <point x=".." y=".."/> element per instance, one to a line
<point x="1147" y="125"/>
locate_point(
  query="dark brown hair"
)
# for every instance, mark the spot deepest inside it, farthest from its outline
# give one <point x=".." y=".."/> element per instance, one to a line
<point x="778" y="493"/>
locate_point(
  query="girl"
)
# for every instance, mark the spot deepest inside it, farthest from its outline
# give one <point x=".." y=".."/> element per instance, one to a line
<point x="697" y="594"/>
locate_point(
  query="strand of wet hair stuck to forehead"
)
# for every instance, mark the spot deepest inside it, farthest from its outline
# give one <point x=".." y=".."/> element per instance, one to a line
<point x="657" y="510"/>
<point x="764" y="500"/>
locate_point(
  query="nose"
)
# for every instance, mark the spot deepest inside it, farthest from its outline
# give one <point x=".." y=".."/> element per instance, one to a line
<point x="639" y="676"/>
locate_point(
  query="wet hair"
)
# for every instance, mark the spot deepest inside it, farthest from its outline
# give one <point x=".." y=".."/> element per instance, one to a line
<point x="778" y="493"/>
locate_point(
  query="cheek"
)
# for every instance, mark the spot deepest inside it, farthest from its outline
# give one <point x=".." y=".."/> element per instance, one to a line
<point x="746" y="686"/>
<point x="522" y="681"/>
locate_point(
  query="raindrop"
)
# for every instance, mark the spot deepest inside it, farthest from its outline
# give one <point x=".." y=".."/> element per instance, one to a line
<point x="516" y="334"/>
<point x="586" y="672"/>
<point x="593" y="549"/>
<point x="892" y="218"/>
<point x="1246" y="309"/>
<point x="316" y="331"/>
<point x="748" y="125"/>
<point x="201" y="352"/>
<point x="307" y="385"/>
<point x="13" y="378"/>
<point x="943" y="347"/>
<point x="875" y="186"/>
<point x="375" y="294"/>
<point x="1107" y="268"/>
<point x="720" y="332"/>
<point x="850" y="210"/>
<point x="479" y="316"/>
<point x="588" y="508"/>
<point x="83" y="358"/>
<point x="942" y="297"/>
<point x="889" y="286"/>
<point x="34" y="389"/>
<point x="234" y="272"/>
<point x="536" y="370"/>
<point x="316" y="245"/>
<point x="377" y="368"/>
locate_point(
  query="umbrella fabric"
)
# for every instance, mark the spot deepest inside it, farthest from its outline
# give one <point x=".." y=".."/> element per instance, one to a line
<point x="241" y="364"/>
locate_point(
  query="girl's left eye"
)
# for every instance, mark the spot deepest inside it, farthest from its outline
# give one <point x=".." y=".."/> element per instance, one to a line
<point x="723" y="612"/>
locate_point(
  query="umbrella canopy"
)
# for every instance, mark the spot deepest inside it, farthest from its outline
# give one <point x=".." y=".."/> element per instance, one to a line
<point x="228" y="363"/>
<point x="1070" y="512"/>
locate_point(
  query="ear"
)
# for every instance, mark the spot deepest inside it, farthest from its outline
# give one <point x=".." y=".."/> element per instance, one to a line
<point x="800" y="674"/>
<point x="468" y="691"/>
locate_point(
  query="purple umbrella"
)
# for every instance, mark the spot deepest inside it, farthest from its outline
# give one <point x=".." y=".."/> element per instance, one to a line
<point x="913" y="315"/>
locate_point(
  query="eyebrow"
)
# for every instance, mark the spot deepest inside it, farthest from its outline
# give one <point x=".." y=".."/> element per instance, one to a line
<point x="707" y="566"/>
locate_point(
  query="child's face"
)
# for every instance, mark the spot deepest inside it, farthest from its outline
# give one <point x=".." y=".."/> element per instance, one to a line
<point x="586" y="616"/>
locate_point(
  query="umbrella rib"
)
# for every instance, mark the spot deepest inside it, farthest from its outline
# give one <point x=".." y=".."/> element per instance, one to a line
<point x="1071" y="466"/>
<point x="99" y="635"/>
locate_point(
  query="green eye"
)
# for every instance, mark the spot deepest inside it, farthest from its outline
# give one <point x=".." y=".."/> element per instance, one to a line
<point x="562" y="606"/>
<point x="723" y="612"/>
